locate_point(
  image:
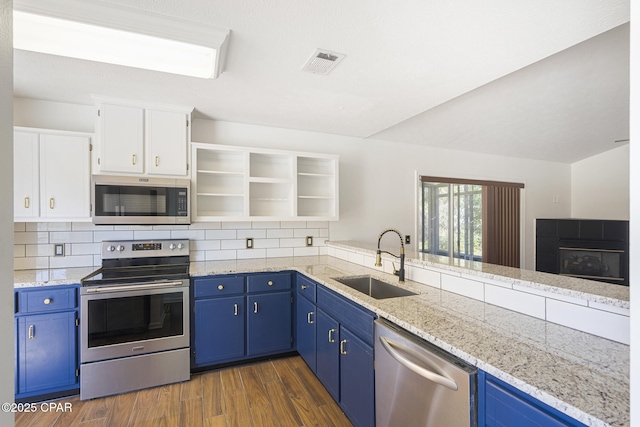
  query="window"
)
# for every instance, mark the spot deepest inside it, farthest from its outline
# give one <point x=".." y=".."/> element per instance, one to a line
<point x="470" y="219"/>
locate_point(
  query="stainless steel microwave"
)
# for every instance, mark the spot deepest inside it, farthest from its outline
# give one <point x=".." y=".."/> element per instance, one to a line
<point x="140" y="200"/>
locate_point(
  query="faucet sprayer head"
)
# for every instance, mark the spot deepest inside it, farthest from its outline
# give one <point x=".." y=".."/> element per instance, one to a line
<point x="378" y="259"/>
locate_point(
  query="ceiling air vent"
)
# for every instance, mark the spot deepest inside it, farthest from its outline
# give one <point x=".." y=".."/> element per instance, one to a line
<point x="322" y="62"/>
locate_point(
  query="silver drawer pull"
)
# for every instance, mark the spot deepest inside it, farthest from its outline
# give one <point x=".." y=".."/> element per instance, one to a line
<point x="270" y="283"/>
<point x="255" y="307"/>
<point x="32" y="332"/>
<point x="235" y="309"/>
<point x="220" y="287"/>
<point x="47" y="301"/>
<point x="342" y="350"/>
<point x="331" y="339"/>
<point x="309" y="314"/>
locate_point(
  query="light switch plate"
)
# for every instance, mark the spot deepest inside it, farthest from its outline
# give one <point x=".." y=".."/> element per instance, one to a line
<point x="309" y="240"/>
<point x="249" y="243"/>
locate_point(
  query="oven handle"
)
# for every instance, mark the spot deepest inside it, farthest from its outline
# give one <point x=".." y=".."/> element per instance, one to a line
<point x="133" y="287"/>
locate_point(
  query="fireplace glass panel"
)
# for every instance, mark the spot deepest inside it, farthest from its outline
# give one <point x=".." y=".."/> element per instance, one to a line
<point x="591" y="263"/>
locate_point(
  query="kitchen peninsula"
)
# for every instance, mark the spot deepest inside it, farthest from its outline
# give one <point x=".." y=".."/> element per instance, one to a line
<point x="579" y="374"/>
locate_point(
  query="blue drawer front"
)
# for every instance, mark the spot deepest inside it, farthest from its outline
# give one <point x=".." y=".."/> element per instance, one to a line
<point x="358" y="319"/>
<point x="269" y="282"/>
<point x="44" y="300"/>
<point x="218" y="286"/>
<point x="306" y="287"/>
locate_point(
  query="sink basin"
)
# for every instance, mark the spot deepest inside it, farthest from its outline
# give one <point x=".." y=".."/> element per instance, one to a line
<point x="373" y="287"/>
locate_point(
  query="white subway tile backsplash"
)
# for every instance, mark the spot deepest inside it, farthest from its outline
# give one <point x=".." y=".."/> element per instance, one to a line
<point x="70" y="237"/>
<point x="529" y="304"/>
<point x="99" y="236"/>
<point x="602" y="323"/>
<point x="220" y="234"/>
<point x="610" y="308"/>
<point x="151" y="234"/>
<point x="71" y="261"/>
<point x="255" y="233"/>
<point x="356" y="258"/>
<point x="279" y="252"/>
<point x="306" y="251"/>
<point x="33" y="247"/>
<point x="280" y="233"/>
<point x="461" y="286"/>
<point x="251" y="253"/>
<point x="39" y="250"/>
<point x="426" y="277"/>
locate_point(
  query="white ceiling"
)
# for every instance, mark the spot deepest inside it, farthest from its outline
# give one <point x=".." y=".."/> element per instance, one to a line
<point x="512" y="77"/>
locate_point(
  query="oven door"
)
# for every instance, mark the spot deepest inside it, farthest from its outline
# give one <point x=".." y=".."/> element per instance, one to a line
<point x="129" y="320"/>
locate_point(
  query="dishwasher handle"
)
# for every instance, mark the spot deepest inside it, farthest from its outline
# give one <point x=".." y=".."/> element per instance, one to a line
<point x="424" y="373"/>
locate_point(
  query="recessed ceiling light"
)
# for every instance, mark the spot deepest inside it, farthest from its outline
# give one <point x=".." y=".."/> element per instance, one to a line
<point x="97" y="31"/>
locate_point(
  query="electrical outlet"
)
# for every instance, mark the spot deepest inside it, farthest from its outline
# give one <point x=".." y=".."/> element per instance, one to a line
<point x="58" y="249"/>
<point x="407" y="239"/>
<point x="249" y="243"/>
<point x="309" y="240"/>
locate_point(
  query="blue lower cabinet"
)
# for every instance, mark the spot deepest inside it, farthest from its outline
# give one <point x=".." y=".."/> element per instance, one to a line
<point x="219" y="330"/>
<point x="46" y="329"/>
<point x="502" y="405"/>
<point x="328" y="354"/>
<point x="356" y="379"/>
<point x="306" y="321"/>
<point x="230" y="323"/>
<point x="344" y="355"/>
<point x="269" y="323"/>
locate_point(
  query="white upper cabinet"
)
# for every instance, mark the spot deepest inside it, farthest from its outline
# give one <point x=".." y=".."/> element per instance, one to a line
<point x="121" y="134"/>
<point x="139" y="138"/>
<point x="26" y="181"/>
<point x="236" y="183"/>
<point x="52" y="175"/>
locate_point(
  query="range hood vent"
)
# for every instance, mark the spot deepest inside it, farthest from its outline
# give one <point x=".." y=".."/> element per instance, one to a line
<point x="323" y="62"/>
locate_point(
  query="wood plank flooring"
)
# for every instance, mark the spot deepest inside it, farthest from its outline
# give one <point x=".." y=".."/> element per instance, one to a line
<point x="275" y="393"/>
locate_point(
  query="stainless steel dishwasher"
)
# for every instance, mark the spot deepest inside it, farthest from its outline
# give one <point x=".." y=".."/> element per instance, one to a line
<point x="418" y="384"/>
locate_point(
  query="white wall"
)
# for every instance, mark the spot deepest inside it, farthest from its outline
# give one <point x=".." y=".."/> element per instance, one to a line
<point x="6" y="210"/>
<point x="635" y="214"/>
<point x="53" y="115"/>
<point x="377" y="177"/>
<point x="600" y="186"/>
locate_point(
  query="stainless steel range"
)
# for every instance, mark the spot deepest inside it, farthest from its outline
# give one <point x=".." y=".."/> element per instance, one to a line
<point x="134" y="315"/>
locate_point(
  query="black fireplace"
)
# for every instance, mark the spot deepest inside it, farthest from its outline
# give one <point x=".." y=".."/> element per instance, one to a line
<point x="584" y="248"/>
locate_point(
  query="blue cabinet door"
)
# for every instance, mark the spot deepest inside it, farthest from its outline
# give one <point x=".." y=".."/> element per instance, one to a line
<point x="327" y="354"/>
<point x="46" y="349"/>
<point x="502" y="405"/>
<point x="219" y="329"/>
<point x="306" y="330"/>
<point x="357" y="392"/>
<point x="269" y="323"/>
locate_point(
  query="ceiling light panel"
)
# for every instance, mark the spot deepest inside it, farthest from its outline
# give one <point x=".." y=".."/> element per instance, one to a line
<point x="97" y="31"/>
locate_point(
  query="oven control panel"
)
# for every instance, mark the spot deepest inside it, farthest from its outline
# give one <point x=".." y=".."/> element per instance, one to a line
<point x="143" y="249"/>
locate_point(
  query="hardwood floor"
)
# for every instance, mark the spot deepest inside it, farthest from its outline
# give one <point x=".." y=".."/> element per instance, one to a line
<point x="281" y="392"/>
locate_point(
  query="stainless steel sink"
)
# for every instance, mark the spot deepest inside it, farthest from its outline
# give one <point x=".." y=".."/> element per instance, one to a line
<point x="373" y="287"/>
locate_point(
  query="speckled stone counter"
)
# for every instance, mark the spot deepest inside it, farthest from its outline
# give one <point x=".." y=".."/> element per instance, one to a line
<point x="582" y="375"/>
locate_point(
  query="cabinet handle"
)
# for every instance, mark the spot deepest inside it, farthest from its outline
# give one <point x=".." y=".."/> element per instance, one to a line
<point x="303" y="287"/>
<point x="331" y="339"/>
<point x="220" y="287"/>
<point x="157" y="161"/>
<point x="270" y="283"/>
<point x="235" y="309"/>
<point x="47" y="301"/>
<point x="133" y="159"/>
<point x="52" y="203"/>
<point x="26" y="202"/>
<point x="342" y="350"/>
<point x="32" y="332"/>
<point x="309" y="321"/>
<point x="255" y="307"/>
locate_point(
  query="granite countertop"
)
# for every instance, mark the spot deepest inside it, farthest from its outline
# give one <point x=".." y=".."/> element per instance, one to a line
<point x="584" y="376"/>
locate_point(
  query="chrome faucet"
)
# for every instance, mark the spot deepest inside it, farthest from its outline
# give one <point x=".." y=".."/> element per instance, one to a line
<point x="399" y="273"/>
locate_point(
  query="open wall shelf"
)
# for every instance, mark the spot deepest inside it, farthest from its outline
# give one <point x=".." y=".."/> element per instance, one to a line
<point x="238" y="183"/>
